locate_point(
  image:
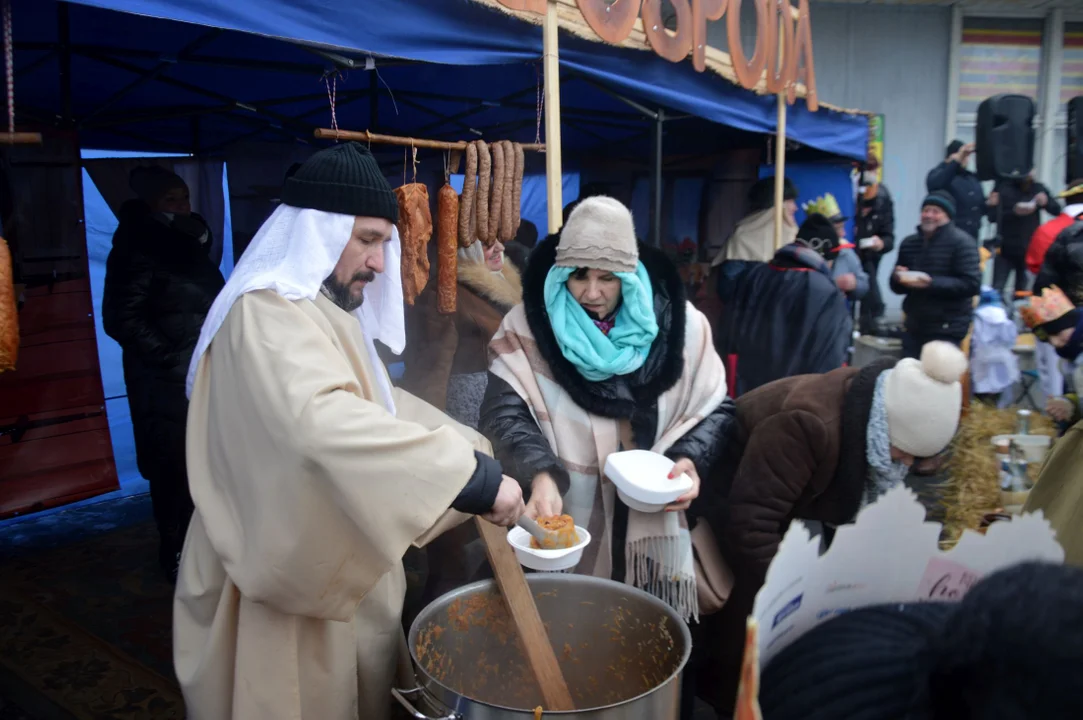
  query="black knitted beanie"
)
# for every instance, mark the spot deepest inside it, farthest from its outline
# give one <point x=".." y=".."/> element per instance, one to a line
<point x="342" y="179"/>
<point x="1011" y="650"/>
<point x="818" y="233"/>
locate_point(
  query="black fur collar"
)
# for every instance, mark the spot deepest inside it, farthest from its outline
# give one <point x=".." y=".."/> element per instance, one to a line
<point x="853" y="469"/>
<point x="619" y="396"/>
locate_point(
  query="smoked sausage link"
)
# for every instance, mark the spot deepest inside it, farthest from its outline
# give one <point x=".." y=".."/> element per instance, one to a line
<point x="517" y="194"/>
<point x="481" y="200"/>
<point x="466" y="205"/>
<point x="447" y="248"/>
<point x="497" y="203"/>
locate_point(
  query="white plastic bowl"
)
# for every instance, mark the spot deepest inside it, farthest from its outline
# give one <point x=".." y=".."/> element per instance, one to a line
<point x="1034" y="447"/>
<point x="642" y="480"/>
<point x="547" y="560"/>
<point x="910" y="275"/>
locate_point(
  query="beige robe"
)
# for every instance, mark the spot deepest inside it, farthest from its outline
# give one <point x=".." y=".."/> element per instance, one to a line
<point x="307" y="495"/>
<point x="753" y="240"/>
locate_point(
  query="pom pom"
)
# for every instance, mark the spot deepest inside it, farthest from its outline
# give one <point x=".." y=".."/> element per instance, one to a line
<point x="943" y="362"/>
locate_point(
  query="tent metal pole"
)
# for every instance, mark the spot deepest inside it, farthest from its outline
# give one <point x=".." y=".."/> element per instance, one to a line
<point x="283" y="119"/>
<point x="643" y="109"/>
<point x="151" y="74"/>
<point x="32" y="66"/>
<point x="554" y="178"/>
<point x="478" y="107"/>
<point x="63" y="31"/>
<point x="196" y="135"/>
<point x="656" y="179"/>
<point x="374" y="101"/>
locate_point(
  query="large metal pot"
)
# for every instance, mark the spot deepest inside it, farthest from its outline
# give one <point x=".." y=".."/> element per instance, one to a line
<point x="621" y="650"/>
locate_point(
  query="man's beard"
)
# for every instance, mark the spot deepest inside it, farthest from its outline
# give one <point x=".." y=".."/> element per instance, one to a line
<point x="339" y="293"/>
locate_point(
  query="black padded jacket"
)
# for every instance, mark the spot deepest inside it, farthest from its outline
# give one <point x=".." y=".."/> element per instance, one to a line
<point x="159" y="285"/>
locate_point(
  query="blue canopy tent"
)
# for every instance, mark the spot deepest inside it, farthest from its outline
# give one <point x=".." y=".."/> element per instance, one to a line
<point x="198" y="76"/>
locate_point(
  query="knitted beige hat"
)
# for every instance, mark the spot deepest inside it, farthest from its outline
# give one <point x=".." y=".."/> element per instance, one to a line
<point x="599" y="234"/>
<point x="923" y="399"/>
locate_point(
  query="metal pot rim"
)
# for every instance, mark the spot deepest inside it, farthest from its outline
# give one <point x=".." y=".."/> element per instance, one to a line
<point x="558" y="578"/>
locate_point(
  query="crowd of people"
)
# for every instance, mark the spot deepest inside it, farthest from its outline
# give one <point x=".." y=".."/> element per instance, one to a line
<point x="276" y="443"/>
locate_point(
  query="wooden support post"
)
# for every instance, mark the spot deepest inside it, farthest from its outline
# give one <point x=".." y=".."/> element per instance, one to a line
<point x="554" y="180"/>
<point x="780" y="135"/>
<point x="780" y="168"/>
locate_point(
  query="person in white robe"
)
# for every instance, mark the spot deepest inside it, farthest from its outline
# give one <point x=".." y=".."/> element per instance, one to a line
<point x="311" y="476"/>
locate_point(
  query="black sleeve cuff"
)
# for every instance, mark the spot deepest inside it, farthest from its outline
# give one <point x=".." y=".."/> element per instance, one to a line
<point x="478" y="496"/>
<point x="557" y="472"/>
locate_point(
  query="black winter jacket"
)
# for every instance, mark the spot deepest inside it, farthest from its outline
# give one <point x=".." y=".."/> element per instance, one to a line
<point x="517" y="440"/>
<point x="880" y="221"/>
<point x="965" y="187"/>
<point x="944" y="308"/>
<point x="1063" y="264"/>
<point x="1015" y="231"/>
<point x="787" y="318"/>
<point x="159" y="285"/>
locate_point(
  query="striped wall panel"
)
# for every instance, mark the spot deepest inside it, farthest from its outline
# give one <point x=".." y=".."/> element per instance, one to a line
<point x="995" y="60"/>
<point x="1071" y="79"/>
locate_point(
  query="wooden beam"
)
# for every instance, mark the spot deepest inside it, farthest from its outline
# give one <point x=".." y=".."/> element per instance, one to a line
<point x="370" y="137"/>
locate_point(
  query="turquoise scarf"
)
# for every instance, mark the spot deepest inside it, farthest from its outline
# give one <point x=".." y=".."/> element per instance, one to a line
<point x="595" y="355"/>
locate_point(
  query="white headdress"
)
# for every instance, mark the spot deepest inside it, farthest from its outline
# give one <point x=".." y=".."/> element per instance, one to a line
<point x="294" y="251"/>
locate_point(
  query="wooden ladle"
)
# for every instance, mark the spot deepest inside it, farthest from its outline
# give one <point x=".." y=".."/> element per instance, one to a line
<point x="524" y="613"/>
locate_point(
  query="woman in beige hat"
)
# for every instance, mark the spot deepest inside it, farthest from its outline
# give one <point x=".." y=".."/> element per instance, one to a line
<point x="604" y="354"/>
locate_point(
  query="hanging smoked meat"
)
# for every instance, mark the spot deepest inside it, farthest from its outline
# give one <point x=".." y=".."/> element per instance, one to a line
<point x="9" y="314"/>
<point x="415" y="231"/>
<point x="467" y="218"/>
<point x="481" y="197"/>
<point x="517" y="190"/>
<point x="447" y="249"/>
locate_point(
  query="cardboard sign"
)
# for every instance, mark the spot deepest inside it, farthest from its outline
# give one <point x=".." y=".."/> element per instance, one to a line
<point x="784" y="57"/>
<point x="889" y="555"/>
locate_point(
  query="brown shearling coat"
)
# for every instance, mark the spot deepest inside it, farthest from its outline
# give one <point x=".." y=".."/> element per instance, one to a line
<point x="800" y="454"/>
<point x="439" y="346"/>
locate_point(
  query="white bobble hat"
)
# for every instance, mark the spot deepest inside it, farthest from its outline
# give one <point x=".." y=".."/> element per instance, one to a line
<point x="923" y="399"/>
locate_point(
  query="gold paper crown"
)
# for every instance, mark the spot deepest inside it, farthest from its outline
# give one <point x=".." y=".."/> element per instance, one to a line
<point x="1052" y="304"/>
<point x="1074" y="190"/>
<point x="827" y="206"/>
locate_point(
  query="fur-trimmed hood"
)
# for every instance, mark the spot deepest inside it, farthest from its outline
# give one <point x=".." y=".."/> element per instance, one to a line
<point x="504" y="291"/>
<point x="622" y="395"/>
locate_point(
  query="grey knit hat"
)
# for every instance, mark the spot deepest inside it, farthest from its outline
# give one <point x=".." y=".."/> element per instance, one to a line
<point x="600" y="234"/>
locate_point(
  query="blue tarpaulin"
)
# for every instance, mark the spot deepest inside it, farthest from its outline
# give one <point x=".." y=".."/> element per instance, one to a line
<point x="473" y="64"/>
<point x="814" y="180"/>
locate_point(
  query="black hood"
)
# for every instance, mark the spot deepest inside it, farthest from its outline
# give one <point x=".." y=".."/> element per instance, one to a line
<point x="617" y="397"/>
<point x="139" y="229"/>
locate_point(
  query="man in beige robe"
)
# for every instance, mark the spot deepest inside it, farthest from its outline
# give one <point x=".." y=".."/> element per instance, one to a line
<point x="310" y="475"/>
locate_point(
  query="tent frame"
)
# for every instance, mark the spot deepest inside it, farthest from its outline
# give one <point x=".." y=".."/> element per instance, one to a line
<point x="260" y="117"/>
